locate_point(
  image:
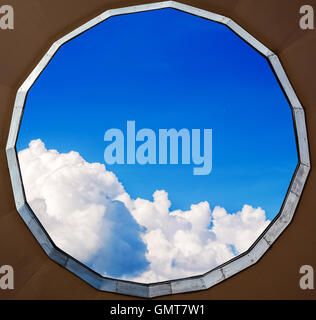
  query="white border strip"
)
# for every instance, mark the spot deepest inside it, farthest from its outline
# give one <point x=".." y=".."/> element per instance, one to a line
<point x="214" y="276"/>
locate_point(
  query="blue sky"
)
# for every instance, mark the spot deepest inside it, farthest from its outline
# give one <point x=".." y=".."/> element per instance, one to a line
<point x="168" y="69"/>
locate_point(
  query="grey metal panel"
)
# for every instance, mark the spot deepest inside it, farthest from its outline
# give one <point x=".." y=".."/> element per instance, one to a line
<point x="300" y="179"/>
<point x="299" y="118"/>
<point x="26" y="213"/>
<point x="15" y="176"/>
<point x="132" y="288"/>
<point x="249" y="38"/>
<point x="15" y="124"/>
<point x="20" y="98"/>
<point x="54" y="254"/>
<point x="86" y="274"/>
<point x="159" y="289"/>
<point x="36" y="72"/>
<point x="278" y="69"/>
<point x="236" y="266"/>
<point x="198" y="12"/>
<point x="174" y="286"/>
<point x="40" y="234"/>
<point x="246" y="260"/>
<point x="109" y="285"/>
<point x="140" y="8"/>
<point x="187" y="285"/>
<point x="213" y="277"/>
<point x="258" y="250"/>
<point x="284" y="219"/>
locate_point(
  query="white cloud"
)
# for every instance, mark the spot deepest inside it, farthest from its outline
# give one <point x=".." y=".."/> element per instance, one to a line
<point x="81" y="206"/>
<point x="186" y="243"/>
<point x="74" y="200"/>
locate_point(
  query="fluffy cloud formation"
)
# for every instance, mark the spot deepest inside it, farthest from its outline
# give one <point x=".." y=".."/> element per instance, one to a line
<point x="185" y="243"/>
<point x="74" y="200"/>
<point x="88" y="214"/>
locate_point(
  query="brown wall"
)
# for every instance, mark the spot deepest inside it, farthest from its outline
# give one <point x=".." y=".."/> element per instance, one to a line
<point x="38" y="23"/>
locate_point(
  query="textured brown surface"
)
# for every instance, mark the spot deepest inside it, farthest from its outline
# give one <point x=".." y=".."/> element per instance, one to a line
<point x="38" y="23"/>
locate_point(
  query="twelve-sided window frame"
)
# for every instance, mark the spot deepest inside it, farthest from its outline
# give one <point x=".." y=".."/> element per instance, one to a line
<point x="220" y="273"/>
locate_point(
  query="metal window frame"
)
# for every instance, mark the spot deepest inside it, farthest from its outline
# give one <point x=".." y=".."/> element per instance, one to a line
<point x="220" y="273"/>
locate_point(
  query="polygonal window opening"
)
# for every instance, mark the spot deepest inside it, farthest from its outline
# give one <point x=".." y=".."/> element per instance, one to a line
<point x="112" y="196"/>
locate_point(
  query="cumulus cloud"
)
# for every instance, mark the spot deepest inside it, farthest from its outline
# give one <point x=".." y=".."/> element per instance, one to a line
<point x="74" y="200"/>
<point x="88" y="214"/>
<point x="185" y="243"/>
